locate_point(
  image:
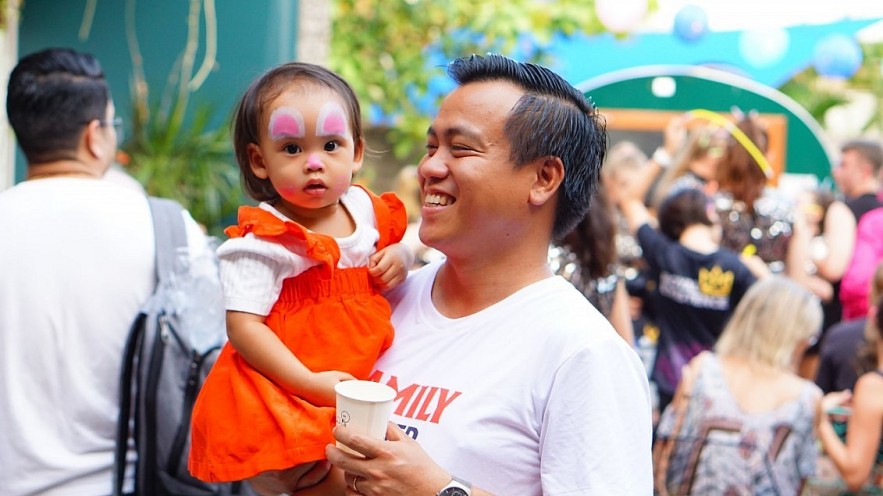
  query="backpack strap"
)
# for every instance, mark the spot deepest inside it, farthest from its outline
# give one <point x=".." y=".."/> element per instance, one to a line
<point x="169" y="234"/>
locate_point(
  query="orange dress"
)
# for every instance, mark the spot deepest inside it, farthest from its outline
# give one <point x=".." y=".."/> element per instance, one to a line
<point x="330" y="318"/>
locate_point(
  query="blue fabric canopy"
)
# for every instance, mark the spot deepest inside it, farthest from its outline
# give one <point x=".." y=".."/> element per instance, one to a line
<point x="582" y="57"/>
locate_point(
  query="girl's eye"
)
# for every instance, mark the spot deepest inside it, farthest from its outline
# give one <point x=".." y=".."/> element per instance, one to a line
<point x="431" y="148"/>
<point x="292" y="149"/>
<point x="331" y="146"/>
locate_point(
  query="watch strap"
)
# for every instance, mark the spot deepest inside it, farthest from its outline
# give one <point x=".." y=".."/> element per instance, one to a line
<point x="457" y="487"/>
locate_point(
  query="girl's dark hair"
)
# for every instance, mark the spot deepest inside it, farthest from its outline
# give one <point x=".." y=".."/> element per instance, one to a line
<point x="252" y="105"/>
<point x="593" y="240"/>
<point x="681" y="210"/>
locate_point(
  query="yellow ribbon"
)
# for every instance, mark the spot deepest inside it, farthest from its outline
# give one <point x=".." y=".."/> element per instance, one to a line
<point x="736" y="133"/>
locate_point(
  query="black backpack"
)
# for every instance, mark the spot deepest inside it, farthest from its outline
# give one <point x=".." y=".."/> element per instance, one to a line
<point x="164" y="366"/>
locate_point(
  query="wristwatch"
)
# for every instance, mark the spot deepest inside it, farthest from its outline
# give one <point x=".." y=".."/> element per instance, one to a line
<point x="457" y="487"/>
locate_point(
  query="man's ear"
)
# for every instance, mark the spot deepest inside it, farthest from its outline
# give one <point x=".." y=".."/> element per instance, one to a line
<point x="94" y="140"/>
<point x="549" y="177"/>
<point x="256" y="161"/>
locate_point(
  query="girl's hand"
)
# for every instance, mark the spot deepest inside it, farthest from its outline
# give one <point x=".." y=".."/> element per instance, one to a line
<point x="395" y="467"/>
<point x="389" y="266"/>
<point x="320" y="388"/>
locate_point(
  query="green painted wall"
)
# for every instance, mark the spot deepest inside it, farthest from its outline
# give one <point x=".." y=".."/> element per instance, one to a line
<point x="252" y="36"/>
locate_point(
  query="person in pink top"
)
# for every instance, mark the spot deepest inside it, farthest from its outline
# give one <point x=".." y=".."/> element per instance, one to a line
<point x="867" y="255"/>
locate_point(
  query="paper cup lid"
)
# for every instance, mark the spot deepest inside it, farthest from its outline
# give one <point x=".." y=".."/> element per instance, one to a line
<point x="367" y="391"/>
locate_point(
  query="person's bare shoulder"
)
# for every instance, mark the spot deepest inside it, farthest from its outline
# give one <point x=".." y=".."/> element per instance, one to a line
<point x="869" y="392"/>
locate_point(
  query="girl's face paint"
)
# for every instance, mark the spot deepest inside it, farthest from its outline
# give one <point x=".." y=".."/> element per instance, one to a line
<point x="286" y="122"/>
<point x="314" y="162"/>
<point x="308" y="152"/>
<point x="331" y="120"/>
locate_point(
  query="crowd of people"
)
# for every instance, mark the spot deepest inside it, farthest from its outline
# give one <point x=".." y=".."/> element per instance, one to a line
<point x="757" y="300"/>
<point x="762" y="306"/>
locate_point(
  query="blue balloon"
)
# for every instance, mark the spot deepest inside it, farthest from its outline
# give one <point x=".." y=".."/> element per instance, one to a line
<point x="837" y="55"/>
<point x="691" y="23"/>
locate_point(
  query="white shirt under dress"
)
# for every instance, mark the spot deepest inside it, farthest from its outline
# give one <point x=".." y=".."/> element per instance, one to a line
<point x="252" y="269"/>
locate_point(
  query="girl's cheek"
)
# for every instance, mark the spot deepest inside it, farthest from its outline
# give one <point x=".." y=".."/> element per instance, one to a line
<point x="286" y="189"/>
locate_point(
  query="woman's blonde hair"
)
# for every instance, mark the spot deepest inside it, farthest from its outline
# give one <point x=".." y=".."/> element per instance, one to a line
<point x="700" y="142"/>
<point x="624" y="156"/>
<point x="773" y="318"/>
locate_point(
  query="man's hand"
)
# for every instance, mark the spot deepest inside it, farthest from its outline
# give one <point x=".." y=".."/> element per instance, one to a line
<point x="395" y="467"/>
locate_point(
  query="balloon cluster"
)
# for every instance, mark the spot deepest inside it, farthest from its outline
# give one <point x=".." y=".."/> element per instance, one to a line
<point x="836" y="55"/>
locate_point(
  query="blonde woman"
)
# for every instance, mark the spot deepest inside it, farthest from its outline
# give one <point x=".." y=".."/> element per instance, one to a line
<point x="860" y="459"/>
<point x="742" y="419"/>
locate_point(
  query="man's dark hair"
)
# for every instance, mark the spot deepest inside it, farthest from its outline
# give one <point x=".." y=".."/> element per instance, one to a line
<point x="52" y="95"/>
<point x="552" y="119"/>
<point x="869" y="150"/>
<point x="682" y="210"/>
<point x="253" y="104"/>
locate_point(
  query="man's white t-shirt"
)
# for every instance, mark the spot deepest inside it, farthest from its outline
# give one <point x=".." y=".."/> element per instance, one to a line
<point x="534" y="395"/>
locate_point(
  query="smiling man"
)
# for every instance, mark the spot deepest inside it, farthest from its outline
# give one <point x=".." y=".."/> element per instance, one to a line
<point x="506" y="376"/>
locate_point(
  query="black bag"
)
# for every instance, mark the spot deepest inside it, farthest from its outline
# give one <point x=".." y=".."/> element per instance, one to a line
<point x="162" y="372"/>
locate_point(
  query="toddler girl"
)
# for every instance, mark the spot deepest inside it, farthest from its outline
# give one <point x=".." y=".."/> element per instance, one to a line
<point x="301" y="273"/>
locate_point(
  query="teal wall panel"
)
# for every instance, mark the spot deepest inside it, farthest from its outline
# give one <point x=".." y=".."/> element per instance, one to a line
<point x="252" y="36"/>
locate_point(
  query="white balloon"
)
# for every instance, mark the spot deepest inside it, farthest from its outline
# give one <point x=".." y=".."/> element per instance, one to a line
<point x="764" y="47"/>
<point x="620" y="16"/>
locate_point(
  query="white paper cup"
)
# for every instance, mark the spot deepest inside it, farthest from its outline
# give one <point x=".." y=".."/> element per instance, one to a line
<point x="364" y="407"/>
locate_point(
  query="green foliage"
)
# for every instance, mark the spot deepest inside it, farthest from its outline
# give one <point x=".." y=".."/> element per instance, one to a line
<point x="380" y="46"/>
<point x="175" y="152"/>
<point x="188" y="161"/>
<point x="869" y="77"/>
<point x="818" y="95"/>
<point x="807" y="89"/>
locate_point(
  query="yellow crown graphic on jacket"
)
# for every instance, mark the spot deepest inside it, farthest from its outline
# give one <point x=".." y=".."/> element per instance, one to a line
<point x="715" y="282"/>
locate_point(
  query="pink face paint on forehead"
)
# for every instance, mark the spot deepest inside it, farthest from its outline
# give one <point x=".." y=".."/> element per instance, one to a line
<point x="331" y="121"/>
<point x="286" y="123"/>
